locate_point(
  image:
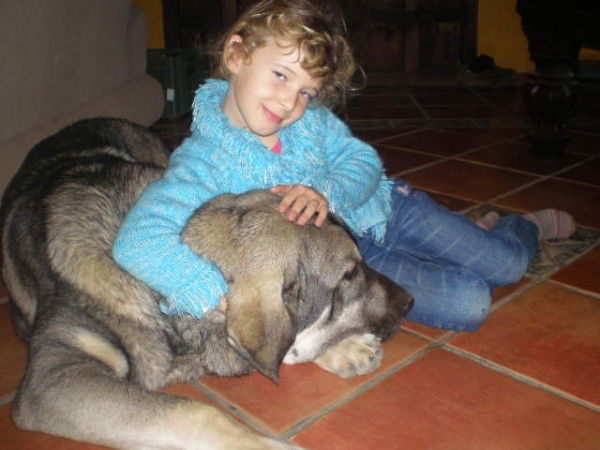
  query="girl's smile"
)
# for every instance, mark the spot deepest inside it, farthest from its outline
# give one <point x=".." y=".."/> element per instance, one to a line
<point x="271" y="116"/>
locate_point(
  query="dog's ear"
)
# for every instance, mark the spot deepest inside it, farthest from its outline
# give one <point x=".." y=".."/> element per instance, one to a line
<point x="259" y="326"/>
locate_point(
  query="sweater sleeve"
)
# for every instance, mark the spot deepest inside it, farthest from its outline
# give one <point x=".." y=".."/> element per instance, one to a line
<point x="149" y="245"/>
<point x="355" y="170"/>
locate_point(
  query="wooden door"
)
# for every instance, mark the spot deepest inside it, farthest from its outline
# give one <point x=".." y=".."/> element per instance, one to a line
<point x="412" y="37"/>
<point x="406" y="40"/>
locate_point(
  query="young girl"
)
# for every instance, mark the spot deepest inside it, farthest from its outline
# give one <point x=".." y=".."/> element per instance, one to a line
<point x="267" y="125"/>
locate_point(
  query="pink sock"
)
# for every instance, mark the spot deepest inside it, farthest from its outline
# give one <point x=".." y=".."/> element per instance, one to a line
<point x="552" y="223"/>
<point x="488" y="221"/>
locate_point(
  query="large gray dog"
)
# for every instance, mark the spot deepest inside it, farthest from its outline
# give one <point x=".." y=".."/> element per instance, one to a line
<point x="98" y="343"/>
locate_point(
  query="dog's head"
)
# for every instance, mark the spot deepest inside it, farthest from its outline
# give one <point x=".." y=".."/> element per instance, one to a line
<point x="294" y="291"/>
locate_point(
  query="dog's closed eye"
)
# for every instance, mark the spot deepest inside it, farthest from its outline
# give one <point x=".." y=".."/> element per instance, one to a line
<point x="350" y="274"/>
<point x="338" y="297"/>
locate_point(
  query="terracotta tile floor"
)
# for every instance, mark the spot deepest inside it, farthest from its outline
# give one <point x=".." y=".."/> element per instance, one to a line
<point x="528" y="379"/>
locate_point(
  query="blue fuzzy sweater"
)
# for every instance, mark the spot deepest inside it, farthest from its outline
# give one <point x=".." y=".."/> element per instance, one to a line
<point x="318" y="151"/>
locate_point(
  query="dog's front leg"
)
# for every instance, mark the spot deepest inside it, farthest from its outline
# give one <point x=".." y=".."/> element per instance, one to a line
<point x="203" y="350"/>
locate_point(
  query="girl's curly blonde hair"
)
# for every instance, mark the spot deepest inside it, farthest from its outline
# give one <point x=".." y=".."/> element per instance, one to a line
<point x="315" y="29"/>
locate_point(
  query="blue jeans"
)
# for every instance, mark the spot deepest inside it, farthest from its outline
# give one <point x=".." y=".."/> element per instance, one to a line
<point x="448" y="263"/>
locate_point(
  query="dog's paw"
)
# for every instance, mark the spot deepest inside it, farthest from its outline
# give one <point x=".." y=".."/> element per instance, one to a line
<point x="359" y="354"/>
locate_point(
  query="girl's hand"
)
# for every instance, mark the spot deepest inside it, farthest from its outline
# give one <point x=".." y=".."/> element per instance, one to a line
<point x="222" y="306"/>
<point x="302" y="203"/>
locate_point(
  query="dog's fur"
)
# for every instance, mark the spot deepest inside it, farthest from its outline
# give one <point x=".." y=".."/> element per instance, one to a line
<point x="98" y="343"/>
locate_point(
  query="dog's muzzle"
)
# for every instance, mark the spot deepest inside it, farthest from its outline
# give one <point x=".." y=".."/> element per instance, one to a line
<point x="399" y="303"/>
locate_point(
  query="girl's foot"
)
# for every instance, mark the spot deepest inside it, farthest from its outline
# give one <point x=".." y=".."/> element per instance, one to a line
<point x="488" y="221"/>
<point x="552" y="223"/>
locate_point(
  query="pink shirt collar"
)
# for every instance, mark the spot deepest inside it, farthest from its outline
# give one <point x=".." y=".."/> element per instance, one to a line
<point x="277" y="147"/>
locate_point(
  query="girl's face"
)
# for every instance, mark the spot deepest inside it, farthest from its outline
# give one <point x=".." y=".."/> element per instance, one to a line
<point x="269" y="91"/>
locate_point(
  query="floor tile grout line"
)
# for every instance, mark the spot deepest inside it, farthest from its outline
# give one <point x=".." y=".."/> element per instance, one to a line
<point x="418" y="105"/>
<point x="500" y="140"/>
<point x="400" y="133"/>
<point x="555" y="175"/>
<point x="513" y="295"/>
<point x="441" y="159"/>
<point x="481" y="97"/>
<point x="532" y="382"/>
<point x="483" y="147"/>
<point x="448" y="334"/>
<point x="402" y="173"/>
<point x="310" y="420"/>
<point x="516" y="190"/>
<point x="424" y="153"/>
<point x="244" y="417"/>
<point x="577" y="182"/>
<point x="475" y="124"/>
<point x="585" y="160"/>
<point x="570" y="261"/>
<point x="587" y="132"/>
<point x="540" y="180"/>
<point x="505" y="122"/>
<point x="456" y="132"/>
<point x="7" y="398"/>
<point x="429" y="340"/>
<point x="539" y="177"/>
<point x="443" y="123"/>
<point x="458" y="156"/>
<point x="576" y="289"/>
<point x="574" y="123"/>
<point x="460" y="123"/>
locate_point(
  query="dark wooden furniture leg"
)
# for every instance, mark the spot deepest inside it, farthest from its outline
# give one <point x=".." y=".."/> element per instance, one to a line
<point x="556" y="31"/>
<point x="551" y="93"/>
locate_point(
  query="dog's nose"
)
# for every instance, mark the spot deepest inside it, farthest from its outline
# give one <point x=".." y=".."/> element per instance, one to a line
<point x="408" y="306"/>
